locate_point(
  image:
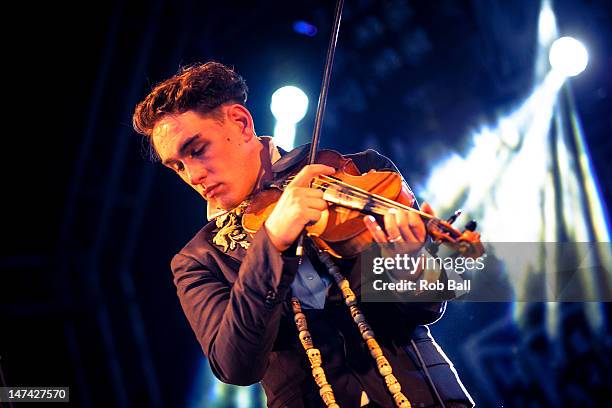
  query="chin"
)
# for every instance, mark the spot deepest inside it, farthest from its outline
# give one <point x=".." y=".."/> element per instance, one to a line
<point x="226" y="204"/>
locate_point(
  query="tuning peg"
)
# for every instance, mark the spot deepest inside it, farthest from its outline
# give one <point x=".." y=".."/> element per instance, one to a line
<point x="471" y="226"/>
<point x="453" y="217"/>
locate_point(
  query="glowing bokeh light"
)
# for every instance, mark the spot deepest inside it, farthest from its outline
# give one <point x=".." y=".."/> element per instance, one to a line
<point x="305" y="28"/>
<point x="568" y="56"/>
<point x="289" y="105"/>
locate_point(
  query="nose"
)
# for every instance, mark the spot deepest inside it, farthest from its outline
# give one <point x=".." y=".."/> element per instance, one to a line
<point x="196" y="174"/>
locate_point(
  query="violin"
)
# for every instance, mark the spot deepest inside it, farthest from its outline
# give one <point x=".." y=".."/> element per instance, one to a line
<point x="341" y="231"/>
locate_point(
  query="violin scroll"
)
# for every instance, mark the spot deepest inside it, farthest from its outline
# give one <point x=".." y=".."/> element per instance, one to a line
<point x="466" y="243"/>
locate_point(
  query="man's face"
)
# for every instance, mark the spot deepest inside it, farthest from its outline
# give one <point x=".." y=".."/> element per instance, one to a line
<point x="219" y="159"/>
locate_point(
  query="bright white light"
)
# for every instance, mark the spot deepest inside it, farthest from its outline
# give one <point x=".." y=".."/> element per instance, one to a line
<point x="568" y="56"/>
<point x="284" y="135"/>
<point x="243" y="397"/>
<point x="289" y="104"/>
<point x="547" y="24"/>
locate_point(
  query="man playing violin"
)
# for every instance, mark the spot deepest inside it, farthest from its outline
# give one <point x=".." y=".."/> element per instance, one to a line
<point x="235" y="289"/>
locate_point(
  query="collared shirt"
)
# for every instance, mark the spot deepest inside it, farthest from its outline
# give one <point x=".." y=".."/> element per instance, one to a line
<point x="308" y="286"/>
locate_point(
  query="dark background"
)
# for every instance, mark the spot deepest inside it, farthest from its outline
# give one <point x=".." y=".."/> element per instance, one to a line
<point x="86" y="296"/>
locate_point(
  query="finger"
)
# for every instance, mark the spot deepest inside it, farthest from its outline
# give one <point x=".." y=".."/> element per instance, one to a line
<point x="315" y="203"/>
<point x="305" y="176"/>
<point x="426" y="208"/>
<point x="308" y="192"/>
<point x="391" y="226"/>
<point x="403" y="222"/>
<point x="375" y="229"/>
<point x="416" y="226"/>
<point x="312" y="215"/>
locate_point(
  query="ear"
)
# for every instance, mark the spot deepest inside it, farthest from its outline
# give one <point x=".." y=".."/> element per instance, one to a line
<point x="241" y="116"/>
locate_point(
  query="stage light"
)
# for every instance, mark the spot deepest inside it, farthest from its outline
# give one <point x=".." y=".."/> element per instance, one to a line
<point x="289" y="105"/>
<point x="568" y="56"/>
<point x="305" y="28"/>
<point x="242" y="398"/>
<point x="547" y="25"/>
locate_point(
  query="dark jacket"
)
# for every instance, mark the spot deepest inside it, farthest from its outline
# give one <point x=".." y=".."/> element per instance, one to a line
<point x="237" y="305"/>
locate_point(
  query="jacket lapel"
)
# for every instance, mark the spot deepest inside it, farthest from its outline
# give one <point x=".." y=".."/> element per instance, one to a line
<point x="290" y="159"/>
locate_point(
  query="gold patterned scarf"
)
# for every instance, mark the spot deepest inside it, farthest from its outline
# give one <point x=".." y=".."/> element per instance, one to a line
<point x="231" y="234"/>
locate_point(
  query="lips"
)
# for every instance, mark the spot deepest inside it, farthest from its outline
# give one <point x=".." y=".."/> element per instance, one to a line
<point x="209" y="191"/>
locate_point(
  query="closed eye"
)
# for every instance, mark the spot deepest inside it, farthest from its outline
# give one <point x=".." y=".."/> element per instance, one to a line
<point x="198" y="151"/>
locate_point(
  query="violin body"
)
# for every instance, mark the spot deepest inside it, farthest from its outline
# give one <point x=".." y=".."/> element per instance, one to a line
<point x="340" y="230"/>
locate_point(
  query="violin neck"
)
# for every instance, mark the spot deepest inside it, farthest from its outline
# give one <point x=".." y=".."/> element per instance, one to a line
<point x="340" y="193"/>
<point x="345" y="195"/>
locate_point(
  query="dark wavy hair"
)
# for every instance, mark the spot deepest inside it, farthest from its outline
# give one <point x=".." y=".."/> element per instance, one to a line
<point x="198" y="87"/>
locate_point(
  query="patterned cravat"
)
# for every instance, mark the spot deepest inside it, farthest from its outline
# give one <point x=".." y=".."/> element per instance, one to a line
<point x="230" y="232"/>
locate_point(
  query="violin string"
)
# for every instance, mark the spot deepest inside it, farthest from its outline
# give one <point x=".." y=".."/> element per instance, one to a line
<point x="323" y="185"/>
<point x="353" y="193"/>
<point x="390" y="202"/>
<point x="379" y="204"/>
<point x="376" y="207"/>
<point x="349" y="189"/>
<point x="377" y="200"/>
<point x="363" y="193"/>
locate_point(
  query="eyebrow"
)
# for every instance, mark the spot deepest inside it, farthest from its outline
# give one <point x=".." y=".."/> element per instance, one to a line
<point x="183" y="148"/>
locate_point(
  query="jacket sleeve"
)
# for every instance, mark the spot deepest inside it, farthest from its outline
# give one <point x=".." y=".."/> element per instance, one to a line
<point x="419" y="312"/>
<point x="236" y="325"/>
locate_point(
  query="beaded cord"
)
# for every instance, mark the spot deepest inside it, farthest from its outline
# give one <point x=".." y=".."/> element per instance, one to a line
<point x="314" y="355"/>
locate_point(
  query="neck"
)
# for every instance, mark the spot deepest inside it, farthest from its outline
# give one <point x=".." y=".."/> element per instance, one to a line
<point x="265" y="164"/>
